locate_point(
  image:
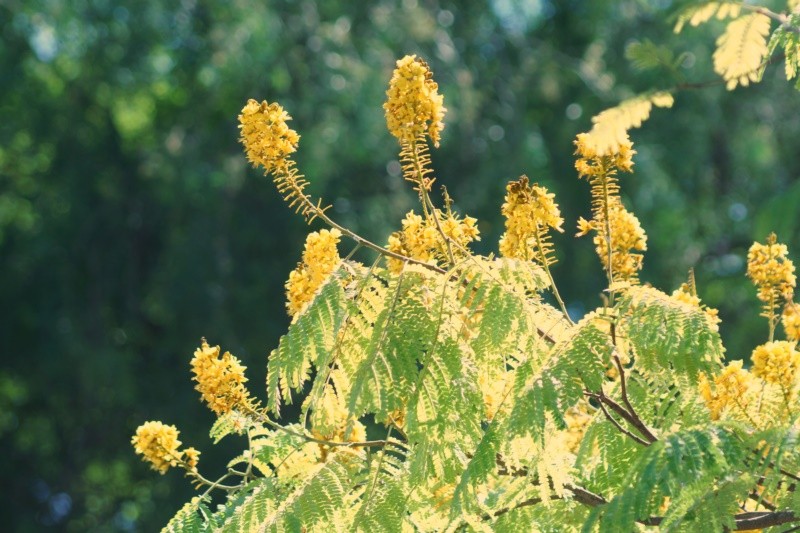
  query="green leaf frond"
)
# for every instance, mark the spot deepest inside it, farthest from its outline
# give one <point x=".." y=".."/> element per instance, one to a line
<point x="669" y="336"/>
<point x="310" y="339"/>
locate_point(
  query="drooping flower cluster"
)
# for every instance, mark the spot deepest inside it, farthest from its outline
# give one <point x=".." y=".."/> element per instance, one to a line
<point x="158" y="445"/>
<point x="772" y="273"/>
<point x="530" y="212"/>
<point x="267" y="139"/>
<point x="420" y="238"/>
<point x="777" y="362"/>
<point x="687" y="294"/>
<point x="590" y="163"/>
<point x="730" y="389"/>
<point x="413" y="105"/>
<point x="618" y="235"/>
<point x="220" y="380"/>
<point x="577" y="419"/>
<point x="320" y="259"/>
<point x="627" y="239"/>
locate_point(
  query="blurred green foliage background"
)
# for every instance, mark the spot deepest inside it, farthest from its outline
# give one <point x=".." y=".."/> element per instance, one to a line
<point x="131" y="225"/>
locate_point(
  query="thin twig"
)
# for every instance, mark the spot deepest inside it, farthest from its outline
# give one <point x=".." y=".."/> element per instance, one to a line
<point x="352" y="444"/>
<point x="620" y="428"/>
<point x="635" y="420"/>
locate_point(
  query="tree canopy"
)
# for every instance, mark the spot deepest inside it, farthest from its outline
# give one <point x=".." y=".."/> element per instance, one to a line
<point x="130" y="225"/>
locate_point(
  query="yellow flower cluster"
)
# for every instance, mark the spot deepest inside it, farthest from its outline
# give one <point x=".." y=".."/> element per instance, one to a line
<point x="776" y="362"/>
<point x="158" y="444"/>
<point x="685" y="294"/>
<point x="578" y="419"/>
<point x="320" y="259"/>
<point x="590" y="163"/>
<point x="420" y="238"/>
<point x="771" y="270"/>
<point x="267" y="138"/>
<point x="730" y="388"/>
<point x="529" y="210"/>
<point x="413" y="104"/>
<point x="791" y="321"/>
<point x="627" y="238"/>
<point x="220" y="380"/>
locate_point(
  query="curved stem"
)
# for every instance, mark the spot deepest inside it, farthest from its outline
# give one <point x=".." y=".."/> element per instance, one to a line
<point x="308" y="438"/>
<point x="318" y="212"/>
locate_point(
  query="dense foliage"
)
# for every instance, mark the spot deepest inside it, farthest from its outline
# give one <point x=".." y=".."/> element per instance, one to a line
<point x="494" y="409"/>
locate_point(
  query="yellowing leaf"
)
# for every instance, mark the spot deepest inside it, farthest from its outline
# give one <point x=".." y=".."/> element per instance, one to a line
<point x="741" y="50"/>
<point x="696" y="15"/>
<point x="611" y="126"/>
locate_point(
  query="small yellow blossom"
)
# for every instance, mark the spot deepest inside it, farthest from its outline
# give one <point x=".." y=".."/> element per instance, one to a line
<point x="191" y="457"/>
<point x="730" y="389"/>
<point x="413" y="104"/>
<point x="267" y="138"/>
<point x="627" y="238"/>
<point x="685" y="294"/>
<point x="420" y="238"/>
<point x="158" y="444"/>
<point x="530" y="211"/>
<point x="772" y="271"/>
<point x="776" y="362"/>
<point x="320" y="259"/>
<point x="220" y="380"/>
<point x="589" y="163"/>
<point x="791" y="321"/>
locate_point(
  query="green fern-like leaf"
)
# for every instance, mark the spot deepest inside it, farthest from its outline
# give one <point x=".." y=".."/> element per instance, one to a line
<point x="666" y="468"/>
<point x="668" y="335"/>
<point x="189" y="519"/>
<point x="573" y="365"/>
<point x="402" y="333"/>
<point x="230" y="422"/>
<point x="309" y="340"/>
<point x="785" y="38"/>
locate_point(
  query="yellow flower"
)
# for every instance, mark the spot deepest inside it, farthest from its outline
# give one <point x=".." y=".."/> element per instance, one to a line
<point x="771" y="270"/>
<point x="320" y="259"/>
<point x="686" y="295"/>
<point x="776" y="362"/>
<point x="413" y="104"/>
<point x="191" y="457"/>
<point x="530" y="210"/>
<point x="730" y="389"/>
<point x="578" y="419"/>
<point x="791" y="321"/>
<point x="267" y="138"/>
<point x="420" y="238"/>
<point x="627" y="238"/>
<point x="220" y="381"/>
<point x="158" y="444"/>
<point x="589" y="163"/>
